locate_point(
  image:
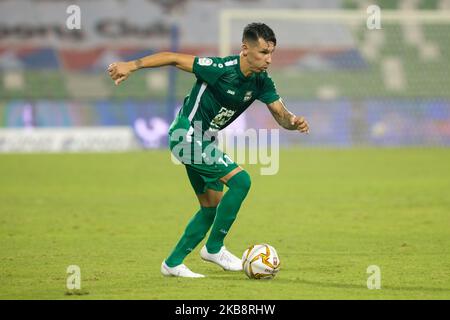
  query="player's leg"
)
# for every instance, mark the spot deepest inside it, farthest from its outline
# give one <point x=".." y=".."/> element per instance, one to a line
<point x="200" y="223"/>
<point x="238" y="182"/>
<point x="213" y="176"/>
<point x="209" y="194"/>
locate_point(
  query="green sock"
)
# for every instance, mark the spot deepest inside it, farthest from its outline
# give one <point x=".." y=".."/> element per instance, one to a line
<point x="227" y="210"/>
<point x="195" y="231"/>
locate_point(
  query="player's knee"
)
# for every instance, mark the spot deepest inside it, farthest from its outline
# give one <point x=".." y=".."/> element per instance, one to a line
<point x="241" y="181"/>
<point x="246" y="181"/>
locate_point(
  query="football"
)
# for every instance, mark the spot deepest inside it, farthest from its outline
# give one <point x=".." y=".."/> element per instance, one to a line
<point x="261" y="261"/>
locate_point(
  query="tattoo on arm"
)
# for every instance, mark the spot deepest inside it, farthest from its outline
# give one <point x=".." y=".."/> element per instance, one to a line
<point x="283" y="117"/>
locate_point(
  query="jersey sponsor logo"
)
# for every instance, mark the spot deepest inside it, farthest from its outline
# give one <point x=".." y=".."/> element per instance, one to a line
<point x="231" y="92"/>
<point x="231" y="63"/>
<point x="248" y="96"/>
<point x="221" y="118"/>
<point x="205" y="62"/>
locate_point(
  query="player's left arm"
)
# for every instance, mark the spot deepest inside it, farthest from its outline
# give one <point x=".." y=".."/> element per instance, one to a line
<point x="287" y="119"/>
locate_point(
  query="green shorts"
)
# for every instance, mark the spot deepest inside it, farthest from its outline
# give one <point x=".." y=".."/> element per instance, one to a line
<point x="205" y="163"/>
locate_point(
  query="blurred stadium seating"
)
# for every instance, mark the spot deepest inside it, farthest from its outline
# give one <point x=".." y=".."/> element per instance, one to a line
<point x="358" y="86"/>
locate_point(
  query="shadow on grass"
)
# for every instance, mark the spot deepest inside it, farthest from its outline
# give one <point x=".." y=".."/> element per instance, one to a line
<point x="353" y="286"/>
<point x="220" y="275"/>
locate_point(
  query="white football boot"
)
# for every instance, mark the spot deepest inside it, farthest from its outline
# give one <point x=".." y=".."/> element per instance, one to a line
<point x="179" y="271"/>
<point x="223" y="258"/>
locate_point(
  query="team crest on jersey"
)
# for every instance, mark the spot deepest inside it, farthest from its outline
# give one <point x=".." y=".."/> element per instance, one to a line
<point x="248" y="96"/>
<point x="205" y="62"/>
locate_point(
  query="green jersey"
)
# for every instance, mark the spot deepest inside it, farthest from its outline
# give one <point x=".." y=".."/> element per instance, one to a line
<point x="221" y="93"/>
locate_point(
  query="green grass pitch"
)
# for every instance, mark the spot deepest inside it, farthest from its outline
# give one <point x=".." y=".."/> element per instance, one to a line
<point x="329" y="213"/>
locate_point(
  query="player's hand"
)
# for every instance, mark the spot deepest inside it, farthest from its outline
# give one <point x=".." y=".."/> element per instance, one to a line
<point x="300" y="124"/>
<point x="119" y="71"/>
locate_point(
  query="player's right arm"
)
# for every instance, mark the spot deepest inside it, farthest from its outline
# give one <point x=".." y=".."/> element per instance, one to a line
<point x="120" y="71"/>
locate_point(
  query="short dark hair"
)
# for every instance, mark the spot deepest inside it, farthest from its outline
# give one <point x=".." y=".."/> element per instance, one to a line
<point x="256" y="30"/>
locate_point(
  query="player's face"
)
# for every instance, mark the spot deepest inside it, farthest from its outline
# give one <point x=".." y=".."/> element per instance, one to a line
<point x="259" y="54"/>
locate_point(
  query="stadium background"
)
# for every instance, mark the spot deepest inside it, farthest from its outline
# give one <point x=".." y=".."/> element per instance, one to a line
<point x="347" y="196"/>
<point x="358" y="86"/>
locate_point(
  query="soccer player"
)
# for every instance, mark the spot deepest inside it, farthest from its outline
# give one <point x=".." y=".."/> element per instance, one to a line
<point x="225" y="87"/>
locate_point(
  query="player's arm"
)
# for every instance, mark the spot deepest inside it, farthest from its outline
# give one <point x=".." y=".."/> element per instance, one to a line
<point x="287" y="119"/>
<point x="120" y="71"/>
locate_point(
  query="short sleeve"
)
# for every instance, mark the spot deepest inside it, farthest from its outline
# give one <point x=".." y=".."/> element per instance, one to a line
<point x="268" y="93"/>
<point x="208" y="69"/>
